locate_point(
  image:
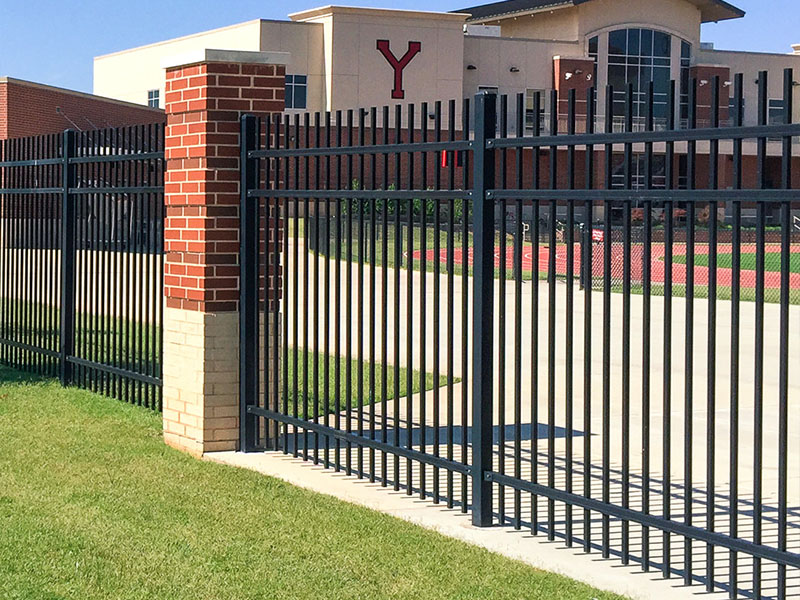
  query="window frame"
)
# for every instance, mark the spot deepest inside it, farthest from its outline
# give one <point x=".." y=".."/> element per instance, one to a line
<point x="291" y="86"/>
<point x="530" y="94"/>
<point x="154" y="98"/>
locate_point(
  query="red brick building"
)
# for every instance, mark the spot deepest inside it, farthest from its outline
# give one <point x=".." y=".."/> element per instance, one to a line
<point x="28" y="108"/>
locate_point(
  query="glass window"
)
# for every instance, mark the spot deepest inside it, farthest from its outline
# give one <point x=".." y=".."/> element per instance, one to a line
<point x="618" y="42"/>
<point x="637" y="57"/>
<point x="296" y="91"/>
<point x="647" y="42"/>
<point x="633" y="42"/>
<point x="686" y="63"/>
<point x="775" y="114"/>
<point x="662" y="44"/>
<point x="732" y="108"/>
<point x="658" y="169"/>
<point x="153" y="98"/>
<point x="593" y="47"/>
<point x="530" y="110"/>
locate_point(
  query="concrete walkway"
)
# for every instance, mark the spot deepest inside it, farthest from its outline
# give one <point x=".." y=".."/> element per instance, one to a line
<point x="572" y="369"/>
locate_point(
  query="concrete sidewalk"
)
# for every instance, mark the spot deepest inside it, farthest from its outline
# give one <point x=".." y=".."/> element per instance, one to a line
<point x="578" y="377"/>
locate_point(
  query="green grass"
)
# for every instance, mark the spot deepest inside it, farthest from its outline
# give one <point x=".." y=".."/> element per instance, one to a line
<point x="94" y="505"/>
<point x="746" y="294"/>
<point x="101" y="338"/>
<point x="356" y="375"/>
<point x="772" y="261"/>
<point x="390" y="246"/>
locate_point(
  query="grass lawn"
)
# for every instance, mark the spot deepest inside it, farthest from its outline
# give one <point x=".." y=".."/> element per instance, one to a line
<point x="724" y="292"/>
<point x="390" y="246"/>
<point x="93" y="505"/>
<point x="772" y="261"/>
<point x="326" y="403"/>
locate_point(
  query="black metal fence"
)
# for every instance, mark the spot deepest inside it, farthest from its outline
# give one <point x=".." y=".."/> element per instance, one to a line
<point x="425" y="340"/>
<point x="81" y="259"/>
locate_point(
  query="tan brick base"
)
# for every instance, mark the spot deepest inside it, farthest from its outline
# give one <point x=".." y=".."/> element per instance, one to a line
<point x="201" y="380"/>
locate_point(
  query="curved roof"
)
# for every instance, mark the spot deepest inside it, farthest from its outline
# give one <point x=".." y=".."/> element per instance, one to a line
<point x="710" y="10"/>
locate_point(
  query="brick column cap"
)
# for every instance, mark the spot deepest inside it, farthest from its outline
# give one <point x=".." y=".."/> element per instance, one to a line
<point x="211" y="55"/>
<point x="581" y="58"/>
<point x="710" y="66"/>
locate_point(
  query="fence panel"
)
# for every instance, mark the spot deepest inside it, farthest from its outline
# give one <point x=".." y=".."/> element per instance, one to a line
<point x="82" y="259"/>
<point x="659" y="392"/>
<point x="586" y="335"/>
<point x="30" y="283"/>
<point x="369" y="372"/>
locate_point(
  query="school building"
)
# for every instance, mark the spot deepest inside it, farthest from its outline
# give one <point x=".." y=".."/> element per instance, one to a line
<point x="340" y="57"/>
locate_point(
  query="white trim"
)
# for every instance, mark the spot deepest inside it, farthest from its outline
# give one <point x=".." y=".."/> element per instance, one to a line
<point x="637" y="25"/>
<point x="326" y="11"/>
<point x="207" y="55"/>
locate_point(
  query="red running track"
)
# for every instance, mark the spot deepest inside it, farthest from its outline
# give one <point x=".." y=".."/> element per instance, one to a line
<point x="772" y="280"/>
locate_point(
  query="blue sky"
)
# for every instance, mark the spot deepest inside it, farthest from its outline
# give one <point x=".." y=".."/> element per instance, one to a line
<point x="54" y="41"/>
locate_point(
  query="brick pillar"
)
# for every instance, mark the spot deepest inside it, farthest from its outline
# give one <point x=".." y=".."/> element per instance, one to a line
<point x="206" y="94"/>
<point x="572" y="74"/>
<point x="705" y="79"/>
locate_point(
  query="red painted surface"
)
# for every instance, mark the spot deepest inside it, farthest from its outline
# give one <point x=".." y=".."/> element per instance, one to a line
<point x="772" y="280"/>
<point x="398" y="66"/>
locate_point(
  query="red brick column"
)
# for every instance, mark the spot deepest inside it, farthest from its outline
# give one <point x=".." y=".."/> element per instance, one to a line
<point x="705" y="85"/>
<point x="572" y="74"/>
<point x="205" y="98"/>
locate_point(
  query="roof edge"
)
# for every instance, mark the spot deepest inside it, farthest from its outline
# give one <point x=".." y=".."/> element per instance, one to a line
<point x="322" y="11"/>
<point x="87" y="95"/>
<point x="734" y="11"/>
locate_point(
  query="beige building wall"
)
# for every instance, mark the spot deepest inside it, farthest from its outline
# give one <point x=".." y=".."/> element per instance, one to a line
<point x="336" y="48"/>
<point x="574" y="23"/>
<point x="305" y="44"/>
<point x="560" y="23"/>
<point x="494" y="58"/>
<point x="128" y="75"/>
<point x="360" y="76"/>
<point x="677" y="17"/>
<point x="531" y="41"/>
<point x="750" y="64"/>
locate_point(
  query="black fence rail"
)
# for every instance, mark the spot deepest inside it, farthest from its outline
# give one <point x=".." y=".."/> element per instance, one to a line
<point x="81" y="259"/>
<point x="432" y="333"/>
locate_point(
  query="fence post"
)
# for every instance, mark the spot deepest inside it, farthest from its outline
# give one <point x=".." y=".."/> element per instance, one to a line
<point x="248" y="289"/>
<point x="483" y="320"/>
<point x="207" y="94"/>
<point x="67" y="321"/>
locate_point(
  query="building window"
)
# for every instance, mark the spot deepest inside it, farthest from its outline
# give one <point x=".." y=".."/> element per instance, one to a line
<point x="658" y="178"/>
<point x="775" y="112"/>
<point x="530" y="104"/>
<point x="296" y="91"/>
<point x="732" y="109"/>
<point x="153" y="98"/>
<point x="490" y="89"/>
<point x="636" y="57"/>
